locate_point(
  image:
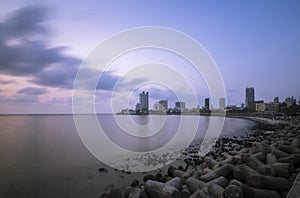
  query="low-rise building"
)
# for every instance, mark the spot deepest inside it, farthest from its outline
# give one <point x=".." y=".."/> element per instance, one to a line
<point x="259" y="106"/>
<point x="272" y="107"/>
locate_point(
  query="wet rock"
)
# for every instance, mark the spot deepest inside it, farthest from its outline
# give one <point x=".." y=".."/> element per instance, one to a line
<point x="249" y="192"/>
<point x="237" y="173"/>
<point x="260" y="167"/>
<point x="199" y="194"/>
<point x="221" y="181"/>
<point x="257" y="180"/>
<point x="180" y="168"/>
<point x="225" y="170"/>
<point x="296" y="142"/>
<point x="289" y="149"/>
<point x="103" y="170"/>
<point x="175" y="182"/>
<point x="159" y="177"/>
<point x="215" y="190"/>
<point x="210" y="162"/>
<point x="279" y="153"/>
<point x="185" y="193"/>
<point x="134" y="183"/>
<point x="137" y="193"/>
<point x="194" y="184"/>
<point x="232" y="191"/>
<point x="112" y="192"/>
<point x="271" y="158"/>
<point x="171" y="170"/>
<point x="288" y="159"/>
<point x="187" y="174"/>
<point x="148" y="177"/>
<point x="127" y="191"/>
<point x="159" y="189"/>
<point x="237" y="159"/>
<point x="178" y="173"/>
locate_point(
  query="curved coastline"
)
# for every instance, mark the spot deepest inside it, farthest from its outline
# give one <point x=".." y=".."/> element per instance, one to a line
<point x="263" y="162"/>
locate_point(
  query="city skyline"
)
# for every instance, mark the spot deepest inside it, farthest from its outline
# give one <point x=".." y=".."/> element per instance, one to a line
<point x="43" y="44"/>
<point x="181" y="106"/>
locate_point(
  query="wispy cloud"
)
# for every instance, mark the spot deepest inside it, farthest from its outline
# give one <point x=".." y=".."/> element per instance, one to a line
<point x="6" y="82"/>
<point x="33" y="91"/>
<point x="20" y="99"/>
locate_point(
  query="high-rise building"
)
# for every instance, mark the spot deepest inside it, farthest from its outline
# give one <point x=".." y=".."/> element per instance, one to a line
<point x="138" y="107"/>
<point x="144" y="102"/>
<point x="290" y="101"/>
<point x="206" y="104"/>
<point x="242" y="106"/>
<point x="222" y="103"/>
<point x="163" y="105"/>
<point x="272" y="107"/>
<point x="180" y="106"/>
<point x="249" y="100"/>
<point x="156" y="106"/>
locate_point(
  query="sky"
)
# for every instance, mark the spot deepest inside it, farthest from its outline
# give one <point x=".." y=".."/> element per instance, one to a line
<point x="43" y="43"/>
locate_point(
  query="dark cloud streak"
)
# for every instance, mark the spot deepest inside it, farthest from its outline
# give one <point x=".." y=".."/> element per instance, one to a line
<point x="24" y="50"/>
<point x="20" y="99"/>
<point x="33" y="91"/>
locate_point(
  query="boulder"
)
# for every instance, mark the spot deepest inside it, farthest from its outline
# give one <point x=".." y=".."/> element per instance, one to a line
<point x="255" y="179"/>
<point x="232" y="191"/>
<point x="199" y="194"/>
<point x="194" y="184"/>
<point x="260" y="167"/>
<point x="250" y="192"/>
<point x="159" y="189"/>
<point x="215" y="190"/>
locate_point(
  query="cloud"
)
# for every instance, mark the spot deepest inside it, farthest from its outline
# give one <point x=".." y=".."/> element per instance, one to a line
<point x="58" y="100"/>
<point x="88" y="77"/>
<point x="20" y="99"/>
<point x="6" y="82"/>
<point x="24" y="50"/>
<point x="24" y="22"/>
<point x="33" y="91"/>
<point x="162" y="94"/>
<point x="108" y="81"/>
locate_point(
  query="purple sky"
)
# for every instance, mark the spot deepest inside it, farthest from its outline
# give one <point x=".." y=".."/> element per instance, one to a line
<point x="42" y="45"/>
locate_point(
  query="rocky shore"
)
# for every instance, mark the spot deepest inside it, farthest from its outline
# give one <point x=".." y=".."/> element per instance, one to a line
<point x="262" y="163"/>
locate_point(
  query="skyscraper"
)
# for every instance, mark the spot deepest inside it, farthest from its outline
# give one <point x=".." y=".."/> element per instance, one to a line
<point x="249" y="100"/>
<point x="222" y="103"/>
<point x="180" y="106"/>
<point x="206" y="102"/>
<point x="163" y="105"/>
<point x="290" y="101"/>
<point x="144" y="102"/>
<point x="156" y="106"/>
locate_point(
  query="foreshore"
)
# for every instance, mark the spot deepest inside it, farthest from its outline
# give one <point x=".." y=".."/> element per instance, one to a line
<point x="262" y="163"/>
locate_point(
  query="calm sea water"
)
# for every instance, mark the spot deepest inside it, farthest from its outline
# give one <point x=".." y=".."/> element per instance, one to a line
<point x="43" y="155"/>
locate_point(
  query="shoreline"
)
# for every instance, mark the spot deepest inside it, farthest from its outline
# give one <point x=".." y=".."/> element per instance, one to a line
<point x="260" y="163"/>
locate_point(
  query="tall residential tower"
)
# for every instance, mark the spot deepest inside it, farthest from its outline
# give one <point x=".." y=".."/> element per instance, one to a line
<point x="249" y="99"/>
<point x="144" y="102"/>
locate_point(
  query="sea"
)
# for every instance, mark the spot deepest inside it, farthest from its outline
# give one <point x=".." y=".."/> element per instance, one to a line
<point x="49" y="155"/>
